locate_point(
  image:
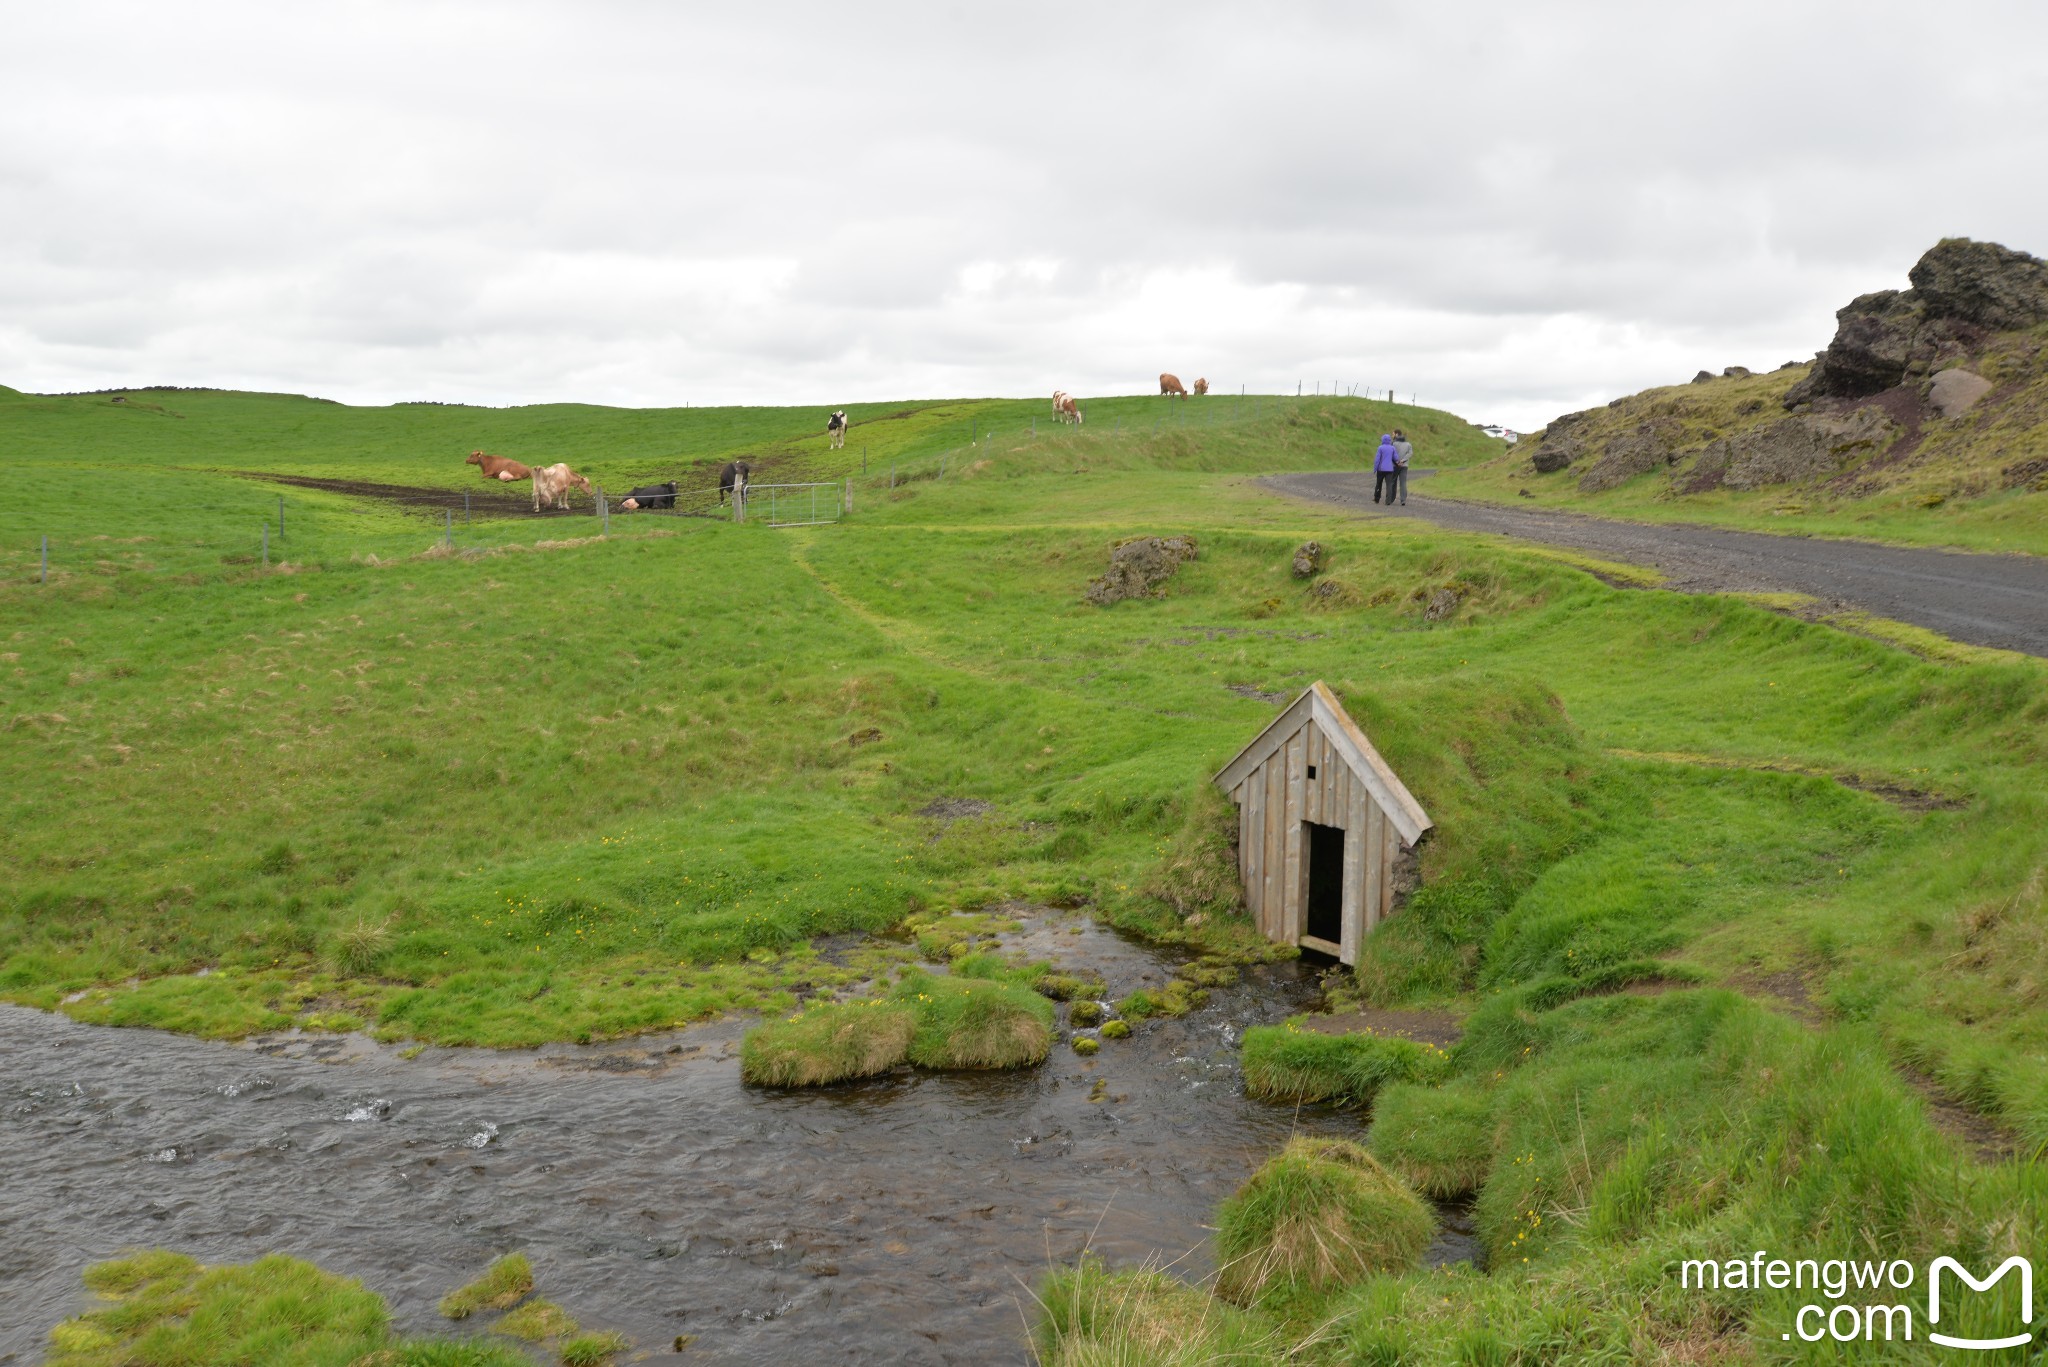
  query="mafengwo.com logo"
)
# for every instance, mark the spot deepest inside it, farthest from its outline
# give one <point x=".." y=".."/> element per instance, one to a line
<point x="1885" y="1302"/>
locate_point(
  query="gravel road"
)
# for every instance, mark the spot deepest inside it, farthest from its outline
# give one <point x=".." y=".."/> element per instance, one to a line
<point x="1984" y="600"/>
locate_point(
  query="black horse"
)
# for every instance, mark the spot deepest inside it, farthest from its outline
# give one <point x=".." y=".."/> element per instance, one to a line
<point x="733" y="480"/>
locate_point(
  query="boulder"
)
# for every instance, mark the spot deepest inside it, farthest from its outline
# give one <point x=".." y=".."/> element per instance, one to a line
<point x="1983" y="283"/>
<point x="1308" y="560"/>
<point x="1553" y="456"/>
<point x="1955" y="392"/>
<point x="1138" y="567"/>
<point x="1704" y="377"/>
<point x="1737" y="372"/>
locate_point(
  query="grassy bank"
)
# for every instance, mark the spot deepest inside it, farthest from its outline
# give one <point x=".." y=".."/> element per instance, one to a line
<point x="1709" y="883"/>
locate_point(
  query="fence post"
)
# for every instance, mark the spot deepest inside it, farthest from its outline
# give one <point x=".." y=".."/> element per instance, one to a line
<point x="448" y="528"/>
<point x="846" y="499"/>
<point x="465" y="507"/>
<point x="280" y="517"/>
<point x="266" y="545"/>
<point x="46" y="562"/>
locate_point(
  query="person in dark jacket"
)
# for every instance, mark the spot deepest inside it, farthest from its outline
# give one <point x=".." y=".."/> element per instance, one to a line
<point x="1385" y="467"/>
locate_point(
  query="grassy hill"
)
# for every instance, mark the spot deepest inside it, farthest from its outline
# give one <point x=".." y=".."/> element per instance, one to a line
<point x="1725" y="897"/>
<point x="1861" y="445"/>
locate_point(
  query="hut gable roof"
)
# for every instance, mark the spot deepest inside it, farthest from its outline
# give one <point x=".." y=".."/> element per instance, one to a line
<point x="1317" y="703"/>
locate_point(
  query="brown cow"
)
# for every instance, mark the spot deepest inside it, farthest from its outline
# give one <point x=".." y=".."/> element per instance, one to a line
<point x="1170" y="384"/>
<point x="1201" y="386"/>
<point x="497" y="467"/>
<point x="551" y="485"/>
<point x="1066" y="410"/>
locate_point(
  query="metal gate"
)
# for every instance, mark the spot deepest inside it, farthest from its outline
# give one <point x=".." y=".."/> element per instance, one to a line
<point x="797" y="505"/>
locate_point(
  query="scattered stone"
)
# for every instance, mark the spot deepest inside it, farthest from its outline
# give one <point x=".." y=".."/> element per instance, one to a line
<point x="1737" y="372"/>
<point x="1704" y="377"/>
<point x="1308" y="560"/>
<point x="1443" y="603"/>
<point x="1794" y="365"/>
<point x="2026" y="473"/>
<point x="1955" y="392"/>
<point x="1138" y="567"/>
<point x="867" y="735"/>
<point x="1552" y="456"/>
<point x="1525" y="493"/>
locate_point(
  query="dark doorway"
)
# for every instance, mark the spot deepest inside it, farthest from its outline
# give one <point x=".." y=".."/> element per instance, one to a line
<point x="1325" y="882"/>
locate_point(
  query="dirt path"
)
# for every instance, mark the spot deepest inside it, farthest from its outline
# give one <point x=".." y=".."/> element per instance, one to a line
<point x="1985" y="600"/>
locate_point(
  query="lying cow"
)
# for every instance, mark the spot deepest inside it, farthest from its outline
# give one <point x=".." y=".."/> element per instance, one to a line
<point x="654" y="497"/>
<point x="733" y="480"/>
<point x="497" y="467"/>
<point x="837" y="425"/>
<point x="1170" y="384"/>
<point x="1067" y="411"/>
<point x="551" y="485"/>
<point x="1201" y="386"/>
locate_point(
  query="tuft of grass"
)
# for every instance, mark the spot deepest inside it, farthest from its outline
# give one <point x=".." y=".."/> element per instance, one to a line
<point x="1116" y="1029"/>
<point x="593" y="1350"/>
<point x="1092" y="1317"/>
<point x="1289" y="1064"/>
<point x="826" y="1044"/>
<point x="357" y="948"/>
<point x="537" y="1321"/>
<point x="1320" y="1214"/>
<point x="504" y="1284"/>
<point x="170" y="1311"/>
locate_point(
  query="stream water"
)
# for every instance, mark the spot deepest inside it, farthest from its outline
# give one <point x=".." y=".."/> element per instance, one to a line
<point x="900" y="1220"/>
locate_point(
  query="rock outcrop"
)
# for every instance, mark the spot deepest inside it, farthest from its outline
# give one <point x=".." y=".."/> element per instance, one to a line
<point x="1308" y="560"/>
<point x="1802" y="447"/>
<point x="1138" y="567"/>
<point x="1651" y="446"/>
<point x="1961" y="291"/>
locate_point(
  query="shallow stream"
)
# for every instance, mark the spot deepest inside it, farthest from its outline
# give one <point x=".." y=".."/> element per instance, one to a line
<point x="901" y="1220"/>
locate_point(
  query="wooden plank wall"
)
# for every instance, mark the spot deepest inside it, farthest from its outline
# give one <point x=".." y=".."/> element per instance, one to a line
<point x="1272" y="802"/>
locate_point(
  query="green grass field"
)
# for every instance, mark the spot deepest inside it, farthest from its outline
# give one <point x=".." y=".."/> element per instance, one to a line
<point x="1723" y="893"/>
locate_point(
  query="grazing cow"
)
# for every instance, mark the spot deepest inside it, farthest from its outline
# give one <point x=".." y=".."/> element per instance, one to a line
<point x="836" y="425"/>
<point x="1201" y="386"/>
<point x="733" y="480"/>
<point x="1059" y="396"/>
<point x="1067" y="411"/>
<point x="497" y="467"/>
<point x="653" y="497"/>
<point x="551" y="485"/>
<point x="1170" y="384"/>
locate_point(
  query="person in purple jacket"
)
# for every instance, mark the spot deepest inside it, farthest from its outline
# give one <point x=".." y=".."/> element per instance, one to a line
<point x="1385" y="466"/>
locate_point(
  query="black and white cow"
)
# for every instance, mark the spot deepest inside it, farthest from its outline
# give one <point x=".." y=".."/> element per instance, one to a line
<point x="733" y="480"/>
<point x="837" y="425"/>
<point x="654" y="496"/>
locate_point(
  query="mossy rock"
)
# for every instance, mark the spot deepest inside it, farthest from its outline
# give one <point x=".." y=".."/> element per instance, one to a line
<point x="1083" y="1014"/>
<point x="1321" y="1214"/>
<point x="828" y="1044"/>
<point x="1116" y="1029"/>
<point x="1084" y="1045"/>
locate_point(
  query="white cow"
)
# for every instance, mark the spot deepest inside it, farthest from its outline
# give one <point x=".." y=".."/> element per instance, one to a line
<point x="551" y="485"/>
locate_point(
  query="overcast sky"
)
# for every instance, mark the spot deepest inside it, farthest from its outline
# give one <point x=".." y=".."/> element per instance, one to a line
<point x="1508" y="209"/>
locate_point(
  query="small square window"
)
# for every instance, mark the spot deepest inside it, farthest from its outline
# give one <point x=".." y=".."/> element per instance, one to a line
<point x="1311" y="771"/>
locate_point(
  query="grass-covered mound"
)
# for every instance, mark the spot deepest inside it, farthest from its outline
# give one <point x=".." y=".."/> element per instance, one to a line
<point x="1321" y="1213"/>
<point x="1289" y="1064"/>
<point x="833" y="1042"/>
<point x="1440" y="1139"/>
<point x="166" y="1310"/>
<point x="928" y="1020"/>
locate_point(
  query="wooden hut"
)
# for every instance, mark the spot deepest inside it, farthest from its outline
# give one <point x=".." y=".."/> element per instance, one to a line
<point x="1322" y="824"/>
